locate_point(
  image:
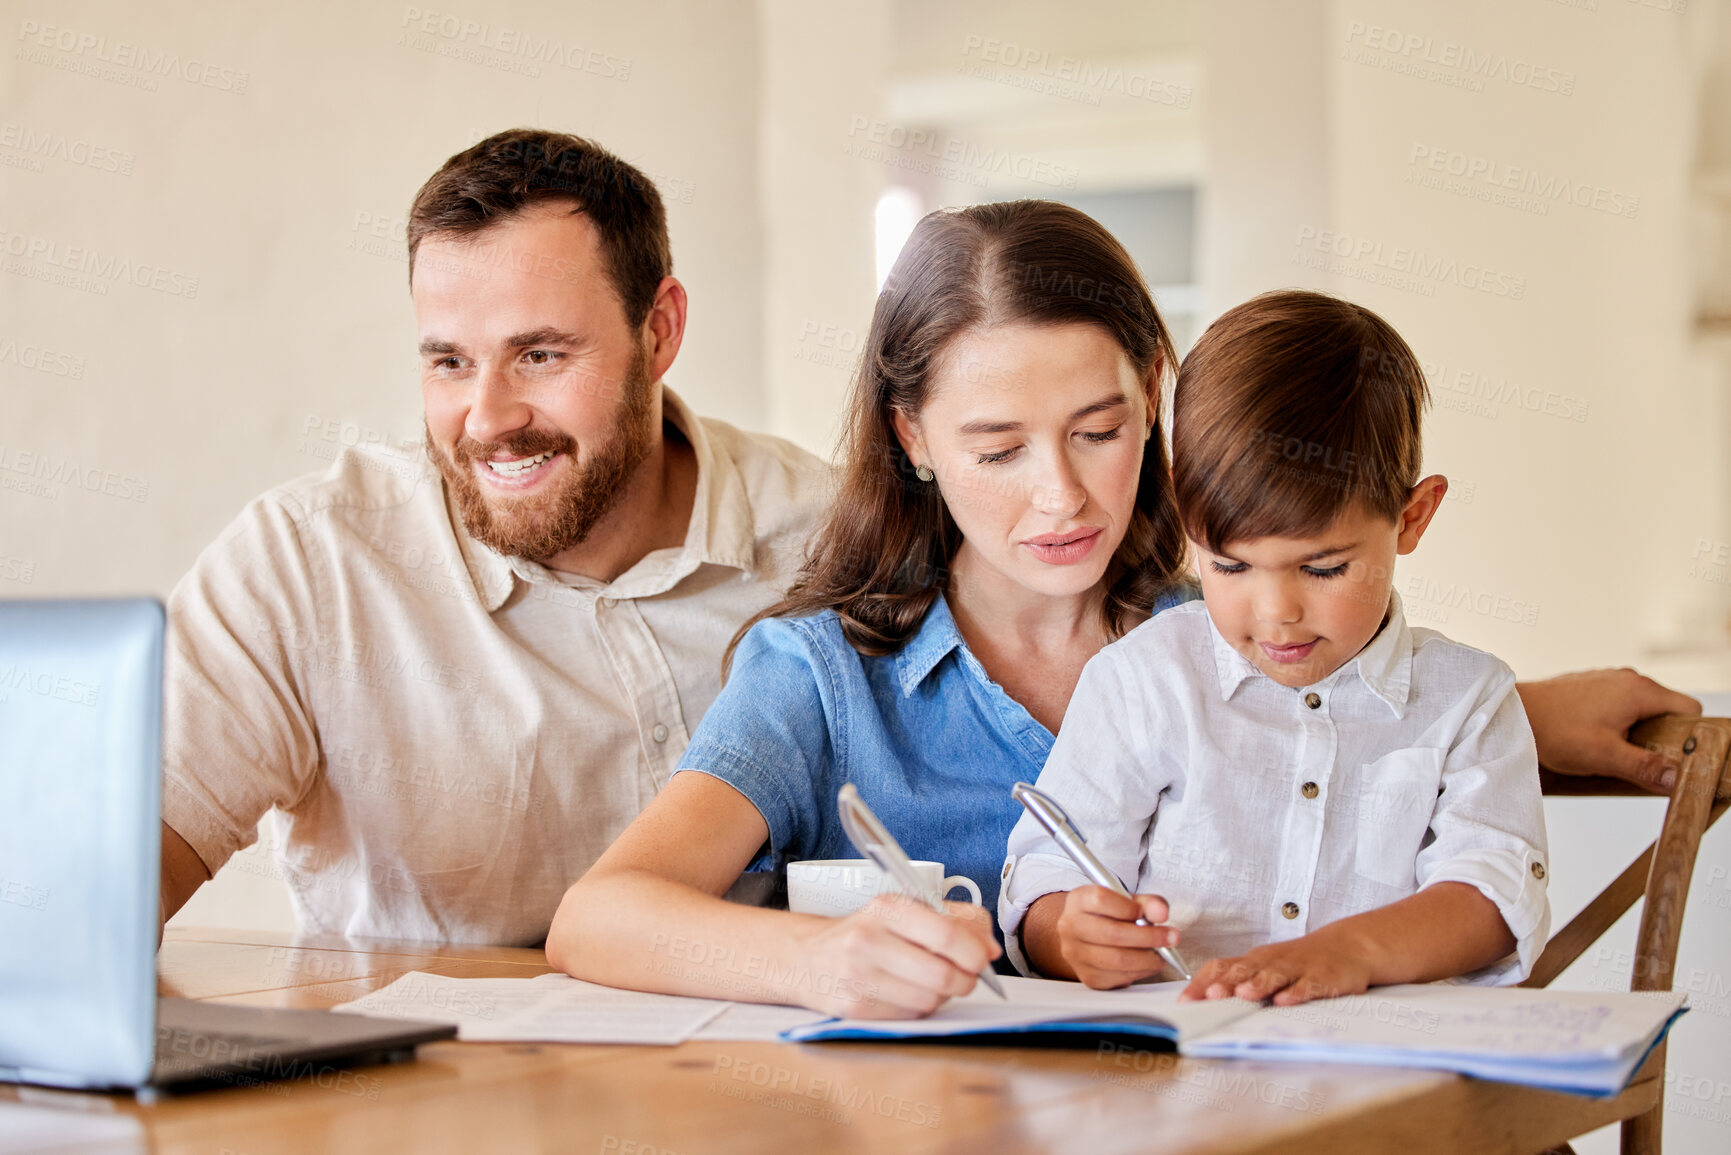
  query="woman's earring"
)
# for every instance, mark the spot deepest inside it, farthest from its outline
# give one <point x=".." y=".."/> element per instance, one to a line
<point x="924" y="472"/>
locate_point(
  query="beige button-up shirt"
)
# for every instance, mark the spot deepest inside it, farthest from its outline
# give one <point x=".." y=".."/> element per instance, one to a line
<point x="452" y="736"/>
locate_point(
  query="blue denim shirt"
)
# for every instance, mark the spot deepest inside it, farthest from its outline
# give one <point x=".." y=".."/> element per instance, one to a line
<point x="930" y="741"/>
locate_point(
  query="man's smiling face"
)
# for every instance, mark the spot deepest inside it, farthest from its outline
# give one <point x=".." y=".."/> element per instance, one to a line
<point x="540" y="405"/>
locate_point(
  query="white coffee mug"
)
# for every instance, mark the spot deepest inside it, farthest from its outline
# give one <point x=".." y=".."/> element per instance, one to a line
<point x="838" y="886"/>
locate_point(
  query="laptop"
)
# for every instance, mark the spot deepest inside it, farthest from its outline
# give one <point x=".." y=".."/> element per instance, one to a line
<point x="80" y="834"/>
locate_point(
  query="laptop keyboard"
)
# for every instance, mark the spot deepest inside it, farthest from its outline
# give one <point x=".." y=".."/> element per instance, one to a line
<point x="179" y="1050"/>
<point x="200" y="1043"/>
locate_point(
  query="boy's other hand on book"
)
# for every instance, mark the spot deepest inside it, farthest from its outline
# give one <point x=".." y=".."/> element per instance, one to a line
<point x="1099" y="938"/>
<point x="1312" y="967"/>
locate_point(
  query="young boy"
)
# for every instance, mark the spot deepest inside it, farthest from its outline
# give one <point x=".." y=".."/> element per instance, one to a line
<point x="1315" y="796"/>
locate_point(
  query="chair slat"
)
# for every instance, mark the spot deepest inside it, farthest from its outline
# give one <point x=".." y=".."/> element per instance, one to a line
<point x="1661" y="875"/>
<point x="1686" y="819"/>
<point x="1585" y="928"/>
<point x="1703" y="749"/>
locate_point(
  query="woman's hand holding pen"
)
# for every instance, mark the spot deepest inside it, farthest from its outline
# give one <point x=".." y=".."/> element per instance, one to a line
<point x="1097" y="937"/>
<point x="895" y="958"/>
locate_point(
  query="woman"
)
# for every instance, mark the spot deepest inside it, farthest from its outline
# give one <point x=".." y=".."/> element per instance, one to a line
<point x="1003" y="513"/>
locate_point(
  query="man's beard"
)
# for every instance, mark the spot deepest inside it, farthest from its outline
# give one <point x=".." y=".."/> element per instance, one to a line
<point x="543" y="525"/>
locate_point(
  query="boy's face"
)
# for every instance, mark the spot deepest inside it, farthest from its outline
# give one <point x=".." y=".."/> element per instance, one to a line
<point x="1301" y="607"/>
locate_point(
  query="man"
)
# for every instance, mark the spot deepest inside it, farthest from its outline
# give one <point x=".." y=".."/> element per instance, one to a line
<point x="459" y="683"/>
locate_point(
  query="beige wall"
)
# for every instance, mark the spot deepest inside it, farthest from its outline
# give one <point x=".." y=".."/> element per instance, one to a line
<point x="262" y="209"/>
<point x="285" y="203"/>
<point x="1569" y="399"/>
<point x="822" y="74"/>
<point x="272" y="219"/>
<point x="1588" y="521"/>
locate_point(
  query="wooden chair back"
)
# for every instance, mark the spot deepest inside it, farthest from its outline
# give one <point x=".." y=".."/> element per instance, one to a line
<point x="1660" y="875"/>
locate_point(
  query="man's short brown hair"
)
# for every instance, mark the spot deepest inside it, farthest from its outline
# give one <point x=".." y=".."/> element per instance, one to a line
<point x="1289" y="409"/>
<point x="497" y="178"/>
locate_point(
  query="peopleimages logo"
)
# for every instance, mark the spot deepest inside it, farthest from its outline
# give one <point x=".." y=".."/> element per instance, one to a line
<point x="39" y="145"/>
<point x="928" y="150"/>
<point x="50" y="361"/>
<point x="48" y="684"/>
<point x="91" y="269"/>
<point x="1517" y="186"/>
<point x="124" y="54"/>
<point x="1069" y="77"/>
<point x="1459" y="65"/>
<point x="1480" y="394"/>
<point x="40" y="475"/>
<point x="1402" y="266"/>
<point x="466" y="38"/>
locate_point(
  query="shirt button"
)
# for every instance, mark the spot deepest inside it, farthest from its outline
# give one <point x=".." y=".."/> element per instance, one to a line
<point x="659" y="733"/>
<point x="1289" y="910"/>
<point x="1538" y="870"/>
<point x="604" y="603"/>
<point x="1313" y="700"/>
<point x="1308" y="790"/>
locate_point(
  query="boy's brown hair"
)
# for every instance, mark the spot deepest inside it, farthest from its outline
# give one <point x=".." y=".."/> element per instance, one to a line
<point x="1290" y="408"/>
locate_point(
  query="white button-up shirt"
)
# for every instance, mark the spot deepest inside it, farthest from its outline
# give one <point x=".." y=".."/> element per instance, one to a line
<point x="1262" y="812"/>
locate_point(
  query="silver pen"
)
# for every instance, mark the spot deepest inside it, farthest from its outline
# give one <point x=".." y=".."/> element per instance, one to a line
<point x="1050" y="815"/>
<point x="881" y="847"/>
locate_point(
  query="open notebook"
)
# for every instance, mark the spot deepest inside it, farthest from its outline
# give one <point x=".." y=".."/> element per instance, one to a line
<point x="1589" y="1043"/>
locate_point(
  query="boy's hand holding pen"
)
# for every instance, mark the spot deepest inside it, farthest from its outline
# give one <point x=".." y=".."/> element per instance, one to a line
<point x="1107" y="938"/>
<point x="1103" y="933"/>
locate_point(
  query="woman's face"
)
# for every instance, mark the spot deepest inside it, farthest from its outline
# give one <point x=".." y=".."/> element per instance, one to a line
<point x="1035" y="434"/>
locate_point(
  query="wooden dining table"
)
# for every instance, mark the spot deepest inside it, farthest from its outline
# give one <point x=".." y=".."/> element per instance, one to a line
<point x="761" y="1098"/>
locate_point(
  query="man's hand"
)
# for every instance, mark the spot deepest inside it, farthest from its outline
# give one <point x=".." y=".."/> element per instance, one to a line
<point x="1316" y="966"/>
<point x="1581" y="724"/>
<point x="1099" y="939"/>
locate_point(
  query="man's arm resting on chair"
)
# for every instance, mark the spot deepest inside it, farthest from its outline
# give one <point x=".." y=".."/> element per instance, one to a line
<point x="183" y="872"/>
<point x="1581" y="724"/>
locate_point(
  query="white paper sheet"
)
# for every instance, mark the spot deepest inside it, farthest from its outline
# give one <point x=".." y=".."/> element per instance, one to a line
<point x="468" y="1004"/>
<point x="563" y="1010"/>
<point x="756" y="1023"/>
<point x="1506" y="1024"/>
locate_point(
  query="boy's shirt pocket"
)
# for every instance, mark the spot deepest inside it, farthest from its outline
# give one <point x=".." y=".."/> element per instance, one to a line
<point x="1396" y="796"/>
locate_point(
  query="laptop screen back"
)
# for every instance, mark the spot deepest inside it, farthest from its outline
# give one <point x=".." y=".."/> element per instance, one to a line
<point x="80" y="789"/>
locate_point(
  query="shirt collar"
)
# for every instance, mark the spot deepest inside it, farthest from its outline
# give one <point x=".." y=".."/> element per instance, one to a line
<point x="1384" y="665"/>
<point x="1232" y="667"/>
<point x="936" y="638"/>
<point x="490" y="571"/>
<point x="721" y="532"/>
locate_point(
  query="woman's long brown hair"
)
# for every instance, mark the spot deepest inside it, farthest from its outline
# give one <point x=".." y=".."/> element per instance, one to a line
<point x="883" y="553"/>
